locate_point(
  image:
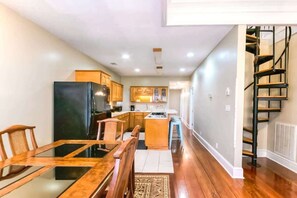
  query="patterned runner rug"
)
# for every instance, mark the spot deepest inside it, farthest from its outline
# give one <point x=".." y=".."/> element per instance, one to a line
<point x="152" y="185"/>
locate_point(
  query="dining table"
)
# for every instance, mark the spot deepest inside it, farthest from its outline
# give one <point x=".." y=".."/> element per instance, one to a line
<point x="64" y="168"/>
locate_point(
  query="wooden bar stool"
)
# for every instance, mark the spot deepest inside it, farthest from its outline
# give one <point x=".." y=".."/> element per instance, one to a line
<point x="175" y="121"/>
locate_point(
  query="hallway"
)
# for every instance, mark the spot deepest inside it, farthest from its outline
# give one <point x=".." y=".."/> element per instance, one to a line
<point x="198" y="174"/>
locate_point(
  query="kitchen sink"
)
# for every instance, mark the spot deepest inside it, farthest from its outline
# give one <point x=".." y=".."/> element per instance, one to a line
<point x="158" y="113"/>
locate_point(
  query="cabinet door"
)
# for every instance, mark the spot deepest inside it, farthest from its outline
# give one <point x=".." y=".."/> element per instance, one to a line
<point x="88" y="76"/>
<point x="120" y="92"/>
<point x="105" y="79"/>
<point x="131" y="123"/>
<point x="113" y="91"/>
<point x="138" y="120"/>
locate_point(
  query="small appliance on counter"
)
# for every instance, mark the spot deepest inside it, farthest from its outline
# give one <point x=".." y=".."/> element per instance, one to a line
<point x="132" y="108"/>
<point x="117" y="108"/>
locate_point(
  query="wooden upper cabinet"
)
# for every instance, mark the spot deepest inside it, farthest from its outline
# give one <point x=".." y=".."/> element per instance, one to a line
<point x="148" y="94"/>
<point x="105" y="79"/>
<point x="96" y="76"/>
<point x="116" y="91"/>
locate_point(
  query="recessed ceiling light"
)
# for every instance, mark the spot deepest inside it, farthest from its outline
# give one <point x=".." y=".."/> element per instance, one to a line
<point x="125" y="56"/>
<point x="182" y="69"/>
<point x="137" y="70"/>
<point x="190" y="54"/>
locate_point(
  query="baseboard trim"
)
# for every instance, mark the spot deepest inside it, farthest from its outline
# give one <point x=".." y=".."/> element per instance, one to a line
<point x="261" y="152"/>
<point x="234" y="172"/>
<point x="291" y="165"/>
<point x="185" y="123"/>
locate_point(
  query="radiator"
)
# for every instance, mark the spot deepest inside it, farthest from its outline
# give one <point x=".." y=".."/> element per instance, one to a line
<point x="285" y="140"/>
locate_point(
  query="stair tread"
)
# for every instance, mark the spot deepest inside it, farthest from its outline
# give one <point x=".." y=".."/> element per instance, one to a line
<point x="246" y="152"/>
<point x="250" y="31"/>
<point x="251" y="47"/>
<point x="270" y="71"/>
<point x="268" y="109"/>
<point x="263" y="119"/>
<point x="248" y="129"/>
<point x="246" y="139"/>
<point x="271" y="83"/>
<point x="263" y="58"/>
<point x="285" y="97"/>
<point x="251" y="38"/>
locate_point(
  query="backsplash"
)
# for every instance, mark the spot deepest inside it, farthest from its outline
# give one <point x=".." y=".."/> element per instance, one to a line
<point x="148" y="106"/>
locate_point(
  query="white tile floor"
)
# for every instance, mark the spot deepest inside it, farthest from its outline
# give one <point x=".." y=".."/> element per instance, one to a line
<point x="152" y="161"/>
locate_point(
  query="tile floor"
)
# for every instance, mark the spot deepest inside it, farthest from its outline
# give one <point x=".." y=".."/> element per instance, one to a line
<point x="152" y="161"/>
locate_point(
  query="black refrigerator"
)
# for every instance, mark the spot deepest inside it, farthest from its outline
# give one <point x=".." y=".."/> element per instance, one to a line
<point x="77" y="108"/>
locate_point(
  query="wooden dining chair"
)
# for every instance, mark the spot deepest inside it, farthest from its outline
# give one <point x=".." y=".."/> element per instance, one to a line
<point x="124" y="156"/>
<point x="135" y="133"/>
<point x="17" y="140"/>
<point x="111" y="128"/>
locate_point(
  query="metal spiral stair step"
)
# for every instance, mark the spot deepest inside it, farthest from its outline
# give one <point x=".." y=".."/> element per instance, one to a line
<point x="263" y="119"/>
<point x="274" y="98"/>
<point x="251" y="47"/>
<point x="260" y="59"/>
<point x="270" y="71"/>
<point x="273" y="85"/>
<point x="247" y="153"/>
<point x="247" y="140"/>
<point x="251" y="31"/>
<point x="268" y="109"/>
<point x="251" y="38"/>
<point x="248" y="129"/>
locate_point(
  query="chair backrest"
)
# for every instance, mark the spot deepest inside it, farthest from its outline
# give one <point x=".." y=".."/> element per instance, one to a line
<point x="17" y="139"/>
<point x="135" y="133"/>
<point x="124" y="157"/>
<point x="110" y="129"/>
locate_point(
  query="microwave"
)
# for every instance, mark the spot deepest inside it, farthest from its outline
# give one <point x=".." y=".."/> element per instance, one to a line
<point x="117" y="108"/>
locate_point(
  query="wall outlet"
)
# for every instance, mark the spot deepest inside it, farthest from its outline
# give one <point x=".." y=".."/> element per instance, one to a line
<point x="227" y="108"/>
<point x="200" y="132"/>
<point x="217" y="145"/>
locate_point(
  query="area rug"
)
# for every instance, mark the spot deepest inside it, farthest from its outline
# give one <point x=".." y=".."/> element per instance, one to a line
<point x="152" y="185"/>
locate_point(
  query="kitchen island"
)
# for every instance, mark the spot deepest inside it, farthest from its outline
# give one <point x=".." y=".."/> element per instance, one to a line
<point x="156" y="130"/>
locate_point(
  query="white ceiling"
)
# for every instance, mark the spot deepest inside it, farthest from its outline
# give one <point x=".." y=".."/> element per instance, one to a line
<point x="106" y="29"/>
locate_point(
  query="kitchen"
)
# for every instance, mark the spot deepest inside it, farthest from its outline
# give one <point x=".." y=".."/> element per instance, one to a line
<point x="34" y="56"/>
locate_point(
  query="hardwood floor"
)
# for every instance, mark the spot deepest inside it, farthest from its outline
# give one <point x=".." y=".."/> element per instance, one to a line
<point x="198" y="174"/>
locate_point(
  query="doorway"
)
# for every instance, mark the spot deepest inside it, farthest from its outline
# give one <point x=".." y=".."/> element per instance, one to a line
<point x="174" y="98"/>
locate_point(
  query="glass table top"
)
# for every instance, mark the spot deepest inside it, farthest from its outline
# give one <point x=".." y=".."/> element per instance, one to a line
<point x="97" y="150"/>
<point x="50" y="184"/>
<point x="11" y="174"/>
<point x="60" y="151"/>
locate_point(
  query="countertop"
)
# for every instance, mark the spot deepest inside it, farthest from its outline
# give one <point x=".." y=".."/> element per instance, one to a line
<point x="169" y="111"/>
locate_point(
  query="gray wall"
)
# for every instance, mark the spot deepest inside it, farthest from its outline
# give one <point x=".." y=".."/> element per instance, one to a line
<point x="222" y="69"/>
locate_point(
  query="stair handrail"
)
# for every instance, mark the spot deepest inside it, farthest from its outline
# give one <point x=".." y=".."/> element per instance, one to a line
<point x="286" y="46"/>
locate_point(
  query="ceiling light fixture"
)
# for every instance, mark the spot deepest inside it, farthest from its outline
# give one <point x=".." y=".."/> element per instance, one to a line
<point x="125" y="56"/>
<point x="190" y="54"/>
<point x="137" y="70"/>
<point x="182" y="69"/>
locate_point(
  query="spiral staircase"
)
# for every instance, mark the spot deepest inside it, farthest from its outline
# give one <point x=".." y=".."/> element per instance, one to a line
<point x="275" y="84"/>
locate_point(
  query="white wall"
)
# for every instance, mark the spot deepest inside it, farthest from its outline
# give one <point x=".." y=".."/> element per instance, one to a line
<point x="31" y="59"/>
<point x="145" y="81"/>
<point x="220" y="130"/>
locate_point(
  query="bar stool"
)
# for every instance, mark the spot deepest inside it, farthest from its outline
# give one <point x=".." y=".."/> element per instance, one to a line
<point x="175" y="121"/>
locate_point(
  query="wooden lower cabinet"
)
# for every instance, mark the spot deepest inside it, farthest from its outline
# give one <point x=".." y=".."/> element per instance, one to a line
<point x="125" y="117"/>
<point x="156" y="133"/>
<point x="137" y="118"/>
